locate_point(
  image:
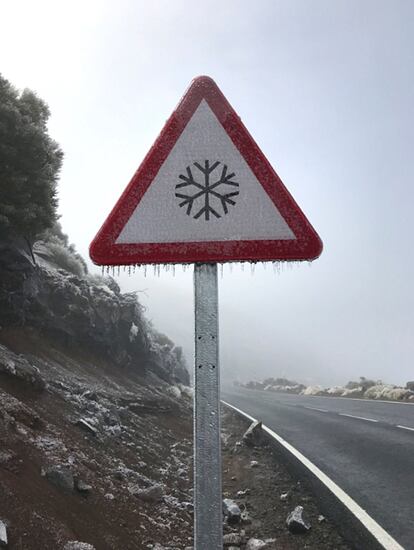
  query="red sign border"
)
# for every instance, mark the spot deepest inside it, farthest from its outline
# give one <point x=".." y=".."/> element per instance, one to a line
<point x="307" y="245"/>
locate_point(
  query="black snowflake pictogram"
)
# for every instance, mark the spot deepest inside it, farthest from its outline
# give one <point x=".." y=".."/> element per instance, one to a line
<point x="208" y="196"/>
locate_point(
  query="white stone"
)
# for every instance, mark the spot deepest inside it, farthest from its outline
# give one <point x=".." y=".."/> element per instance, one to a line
<point x="3" y="534"/>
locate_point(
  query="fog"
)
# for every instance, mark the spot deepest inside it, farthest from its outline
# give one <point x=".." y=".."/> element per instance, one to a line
<point x="326" y="90"/>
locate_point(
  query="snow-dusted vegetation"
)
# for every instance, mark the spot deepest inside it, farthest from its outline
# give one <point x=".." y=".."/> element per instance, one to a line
<point x="364" y="388"/>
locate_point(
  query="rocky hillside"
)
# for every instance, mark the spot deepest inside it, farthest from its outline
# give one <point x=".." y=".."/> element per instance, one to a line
<point x="95" y="412"/>
<point x="82" y="310"/>
<point x="89" y="453"/>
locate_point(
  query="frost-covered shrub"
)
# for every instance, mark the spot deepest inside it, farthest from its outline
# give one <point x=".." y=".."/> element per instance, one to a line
<point x="375" y="392"/>
<point x="354" y="392"/>
<point x="313" y="390"/>
<point x="335" y="391"/>
<point x="352" y="384"/>
<point x="174" y="391"/>
<point x="398" y="394"/>
<point x="56" y="249"/>
<point x="188" y="391"/>
<point x="365" y="383"/>
<point x="66" y="259"/>
<point x="162" y="339"/>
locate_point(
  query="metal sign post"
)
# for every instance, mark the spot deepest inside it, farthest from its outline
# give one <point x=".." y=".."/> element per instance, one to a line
<point x="205" y="194"/>
<point x="208" y="518"/>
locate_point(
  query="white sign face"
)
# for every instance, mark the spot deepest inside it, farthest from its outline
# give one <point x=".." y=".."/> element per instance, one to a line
<point x="204" y="191"/>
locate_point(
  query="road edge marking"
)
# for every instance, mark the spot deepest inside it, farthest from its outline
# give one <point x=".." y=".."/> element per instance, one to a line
<point x="315" y="409"/>
<point x="405" y="427"/>
<point x="358" y="417"/>
<point x="366" y="400"/>
<point x="382" y="536"/>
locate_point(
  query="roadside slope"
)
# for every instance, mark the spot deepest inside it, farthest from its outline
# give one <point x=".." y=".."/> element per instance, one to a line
<point x="112" y="432"/>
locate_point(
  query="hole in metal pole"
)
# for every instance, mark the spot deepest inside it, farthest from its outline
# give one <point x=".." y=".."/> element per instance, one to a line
<point x="199" y="366"/>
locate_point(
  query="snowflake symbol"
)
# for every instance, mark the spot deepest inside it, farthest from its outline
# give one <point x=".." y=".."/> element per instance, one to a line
<point x="208" y="192"/>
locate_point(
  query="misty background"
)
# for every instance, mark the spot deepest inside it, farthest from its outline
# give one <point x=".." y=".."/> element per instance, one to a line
<point x="325" y="88"/>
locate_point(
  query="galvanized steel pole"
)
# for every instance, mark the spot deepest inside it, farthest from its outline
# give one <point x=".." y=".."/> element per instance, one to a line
<point x="208" y="520"/>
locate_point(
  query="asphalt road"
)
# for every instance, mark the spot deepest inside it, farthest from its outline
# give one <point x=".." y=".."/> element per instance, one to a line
<point x="366" y="447"/>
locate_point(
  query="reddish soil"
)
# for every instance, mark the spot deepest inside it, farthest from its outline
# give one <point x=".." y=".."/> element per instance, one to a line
<point x="144" y="437"/>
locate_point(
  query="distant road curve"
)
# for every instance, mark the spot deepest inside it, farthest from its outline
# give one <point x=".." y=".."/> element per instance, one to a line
<point x="366" y="447"/>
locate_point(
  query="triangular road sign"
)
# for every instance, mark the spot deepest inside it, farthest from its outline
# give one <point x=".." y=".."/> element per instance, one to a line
<point x="205" y="192"/>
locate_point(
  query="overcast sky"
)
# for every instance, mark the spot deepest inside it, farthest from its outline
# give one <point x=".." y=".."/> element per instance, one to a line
<point x="326" y="89"/>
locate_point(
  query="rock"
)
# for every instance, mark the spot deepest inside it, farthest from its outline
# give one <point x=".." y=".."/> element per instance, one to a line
<point x="86" y="426"/>
<point x="83" y="487"/>
<point x="255" y="544"/>
<point x="154" y="493"/>
<point x="18" y="367"/>
<point x="245" y="517"/>
<point x="81" y="310"/>
<point x="321" y="518"/>
<point x="254" y="464"/>
<point x="19" y="412"/>
<point x="253" y="437"/>
<point x="231" y="510"/>
<point x="232" y="539"/>
<point x="76" y="545"/>
<point x="91" y="395"/>
<point x="109" y="496"/>
<point x="7" y="459"/>
<point x="242" y="494"/>
<point x="237" y="447"/>
<point x="61" y="477"/>
<point x="284" y="496"/>
<point x="3" y="534"/>
<point x="296" y="523"/>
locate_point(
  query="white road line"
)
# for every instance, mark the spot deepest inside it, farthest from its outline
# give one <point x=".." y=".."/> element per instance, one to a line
<point x="384" y="538"/>
<point x="406" y="428"/>
<point x="316" y="409"/>
<point x="358" y="417"/>
<point x="389" y="402"/>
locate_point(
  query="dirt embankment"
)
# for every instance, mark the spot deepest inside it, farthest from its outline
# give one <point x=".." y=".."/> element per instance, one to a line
<point x="94" y="453"/>
<point x="98" y="455"/>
